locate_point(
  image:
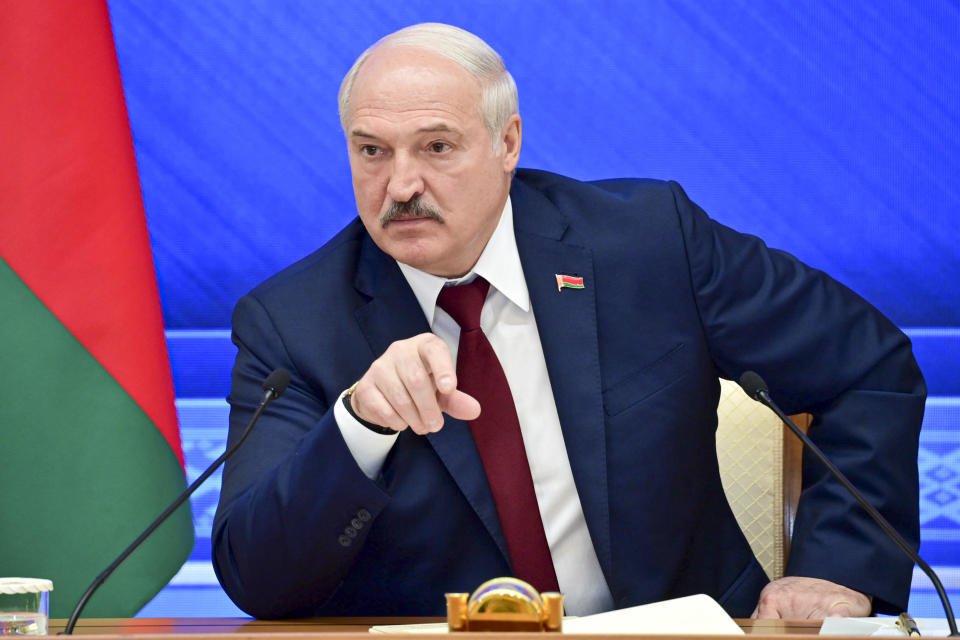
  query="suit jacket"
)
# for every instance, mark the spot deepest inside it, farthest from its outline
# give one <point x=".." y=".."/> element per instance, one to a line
<point x="672" y="300"/>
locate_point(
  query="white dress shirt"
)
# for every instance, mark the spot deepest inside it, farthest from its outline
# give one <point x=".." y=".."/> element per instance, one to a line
<point x="509" y="324"/>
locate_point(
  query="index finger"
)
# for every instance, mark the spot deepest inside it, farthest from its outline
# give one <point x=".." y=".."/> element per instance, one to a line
<point x="437" y="359"/>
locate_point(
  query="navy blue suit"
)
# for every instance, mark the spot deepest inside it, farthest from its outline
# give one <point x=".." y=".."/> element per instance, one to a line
<point x="672" y="300"/>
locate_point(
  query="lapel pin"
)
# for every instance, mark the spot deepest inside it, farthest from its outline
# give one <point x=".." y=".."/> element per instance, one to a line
<point x="568" y="282"/>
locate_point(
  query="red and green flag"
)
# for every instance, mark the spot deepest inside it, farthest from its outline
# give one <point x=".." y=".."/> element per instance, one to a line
<point x="568" y="282"/>
<point x="89" y="443"/>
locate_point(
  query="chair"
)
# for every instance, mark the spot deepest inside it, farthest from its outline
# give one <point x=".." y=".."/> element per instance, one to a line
<point x="760" y="469"/>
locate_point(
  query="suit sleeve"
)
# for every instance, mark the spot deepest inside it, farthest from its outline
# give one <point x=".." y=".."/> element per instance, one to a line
<point x="295" y="507"/>
<point x="824" y="350"/>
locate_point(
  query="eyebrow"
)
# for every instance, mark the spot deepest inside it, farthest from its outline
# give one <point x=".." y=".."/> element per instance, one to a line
<point x="437" y="127"/>
<point x="360" y="133"/>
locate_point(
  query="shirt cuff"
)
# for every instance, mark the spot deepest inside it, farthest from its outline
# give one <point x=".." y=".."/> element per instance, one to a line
<point x="369" y="449"/>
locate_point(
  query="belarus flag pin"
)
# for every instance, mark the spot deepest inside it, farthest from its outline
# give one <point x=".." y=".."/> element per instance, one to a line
<point x="568" y="282"/>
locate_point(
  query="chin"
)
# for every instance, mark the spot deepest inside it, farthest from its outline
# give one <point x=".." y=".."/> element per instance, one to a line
<point x="415" y="258"/>
<point x="431" y="266"/>
<point x="420" y="254"/>
<point x="423" y="265"/>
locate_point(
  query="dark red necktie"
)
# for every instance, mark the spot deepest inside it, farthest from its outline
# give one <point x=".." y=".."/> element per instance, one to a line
<point x="497" y="436"/>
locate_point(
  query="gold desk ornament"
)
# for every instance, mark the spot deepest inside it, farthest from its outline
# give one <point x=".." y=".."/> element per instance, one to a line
<point x="505" y="604"/>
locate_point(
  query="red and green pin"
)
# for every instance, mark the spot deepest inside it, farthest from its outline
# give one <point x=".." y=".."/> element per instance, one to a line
<point x="568" y="282"/>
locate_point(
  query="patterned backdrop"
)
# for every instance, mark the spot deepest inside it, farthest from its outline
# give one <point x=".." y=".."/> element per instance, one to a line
<point x="831" y="129"/>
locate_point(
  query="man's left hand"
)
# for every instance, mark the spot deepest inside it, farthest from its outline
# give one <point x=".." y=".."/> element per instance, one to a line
<point x="810" y="598"/>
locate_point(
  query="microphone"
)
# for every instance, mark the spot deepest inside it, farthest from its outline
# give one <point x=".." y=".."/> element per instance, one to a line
<point x="273" y="387"/>
<point x="756" y="388"/>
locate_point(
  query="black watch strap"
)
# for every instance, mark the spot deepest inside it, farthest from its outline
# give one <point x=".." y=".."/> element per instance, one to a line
<point x="384" y="431"/>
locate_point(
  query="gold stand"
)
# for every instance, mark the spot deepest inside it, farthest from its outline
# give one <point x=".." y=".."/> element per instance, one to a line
<point x="505" y="604"/>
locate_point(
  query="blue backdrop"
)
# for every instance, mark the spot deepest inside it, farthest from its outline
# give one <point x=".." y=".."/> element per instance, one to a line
<point x="831" y="129"/>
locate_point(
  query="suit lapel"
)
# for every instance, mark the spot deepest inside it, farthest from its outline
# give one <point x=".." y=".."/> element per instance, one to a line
<point x="567" y="323"/>
<point x="393" y="313"/>
<point x="455" y="446"/>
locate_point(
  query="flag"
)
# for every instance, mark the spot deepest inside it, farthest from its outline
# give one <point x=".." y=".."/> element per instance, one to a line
<point x="89" y="444"/>
<point x="568" y="282"/>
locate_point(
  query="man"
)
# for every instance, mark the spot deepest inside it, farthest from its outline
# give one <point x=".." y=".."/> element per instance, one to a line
<point x="357" y="496"/>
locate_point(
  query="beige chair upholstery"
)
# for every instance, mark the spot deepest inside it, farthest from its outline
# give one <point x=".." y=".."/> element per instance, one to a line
<point x="760" y="470"/>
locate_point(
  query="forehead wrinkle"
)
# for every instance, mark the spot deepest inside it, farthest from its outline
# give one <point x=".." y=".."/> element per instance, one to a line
<point x="433" y="120"/>
<point x="382" y="109"/>
<point x="405" y="83"/>
<point x="440" y="126"/>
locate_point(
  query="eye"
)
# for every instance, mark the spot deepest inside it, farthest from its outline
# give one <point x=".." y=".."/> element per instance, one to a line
<point x="369" y="150"/>
<point x="439" y="147"/>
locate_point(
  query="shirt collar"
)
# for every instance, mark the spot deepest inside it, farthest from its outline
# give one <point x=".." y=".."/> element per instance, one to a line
<point x="499" y="264"/>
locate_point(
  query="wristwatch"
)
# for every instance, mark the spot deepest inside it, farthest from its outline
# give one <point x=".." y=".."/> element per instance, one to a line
<point x="384" y="431"/>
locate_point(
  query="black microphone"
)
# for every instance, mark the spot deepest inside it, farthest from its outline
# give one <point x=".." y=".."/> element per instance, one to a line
<point x="273" y="387"/>
<point x="757" y="389"/>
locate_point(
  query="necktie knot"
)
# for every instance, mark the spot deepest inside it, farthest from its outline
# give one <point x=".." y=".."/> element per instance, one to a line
<point x="465" y="302"/>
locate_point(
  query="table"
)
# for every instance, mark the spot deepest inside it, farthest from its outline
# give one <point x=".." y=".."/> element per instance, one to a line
<point x="350" y="629"/>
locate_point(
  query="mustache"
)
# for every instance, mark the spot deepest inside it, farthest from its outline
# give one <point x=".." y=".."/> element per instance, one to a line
<point x="412" y="208"/>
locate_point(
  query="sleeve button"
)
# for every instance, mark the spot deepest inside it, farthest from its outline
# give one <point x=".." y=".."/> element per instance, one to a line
<point x="364" y="515"/>
<point x="344" y="541"/>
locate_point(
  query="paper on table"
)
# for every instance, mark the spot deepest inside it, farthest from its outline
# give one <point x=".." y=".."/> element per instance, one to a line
<point x="691" y="615"/>
<point x="929" y="627"/>
<point x="424" y="627"/>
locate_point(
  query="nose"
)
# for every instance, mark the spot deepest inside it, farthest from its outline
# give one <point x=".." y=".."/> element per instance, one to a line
<point x="406" y="178"/>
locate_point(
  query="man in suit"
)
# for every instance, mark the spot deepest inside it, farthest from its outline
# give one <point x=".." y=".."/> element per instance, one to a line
<point x="356" y="495"/>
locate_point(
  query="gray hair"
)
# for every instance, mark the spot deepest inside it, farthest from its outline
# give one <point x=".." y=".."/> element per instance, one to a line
<point x="498" y="99"/>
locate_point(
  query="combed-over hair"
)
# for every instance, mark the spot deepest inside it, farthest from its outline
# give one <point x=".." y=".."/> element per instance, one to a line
<point x="498" y="99"/>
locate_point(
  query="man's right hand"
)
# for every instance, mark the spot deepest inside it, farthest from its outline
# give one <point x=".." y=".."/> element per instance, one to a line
<point x="411" y="384"/>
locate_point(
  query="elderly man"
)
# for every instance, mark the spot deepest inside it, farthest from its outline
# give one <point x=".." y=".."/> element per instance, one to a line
<point x="573" y="334"/>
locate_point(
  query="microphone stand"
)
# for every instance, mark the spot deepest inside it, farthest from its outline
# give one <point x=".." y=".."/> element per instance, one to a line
<point x="275" y="385"/>
<point x="756" y="388"/>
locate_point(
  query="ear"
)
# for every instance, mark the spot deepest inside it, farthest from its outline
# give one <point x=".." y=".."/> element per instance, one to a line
<point x="510" y="143"/>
